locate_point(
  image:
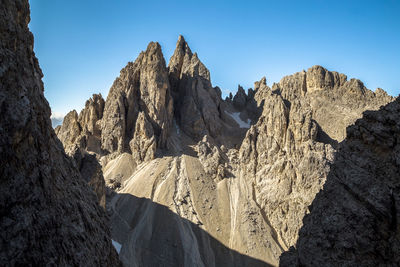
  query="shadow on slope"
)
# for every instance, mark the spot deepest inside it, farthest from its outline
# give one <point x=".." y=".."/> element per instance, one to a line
<point x="152" y="235"/>
<point x="355" y="219"/>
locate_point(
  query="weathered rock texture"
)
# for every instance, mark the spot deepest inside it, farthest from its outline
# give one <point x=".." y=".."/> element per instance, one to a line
<point x="355" y="219"/>
<point x="49" y="216"/>
<point x="197" y="103"/>
<point x="239" y="174"/>
<point x="335" y="101"/>
<point x="172" y="212"/>
<point x="142" y="87"/>
<point x="286" y="155"/>
<point x="83" y="130"/>
<point x="81" y="138"/>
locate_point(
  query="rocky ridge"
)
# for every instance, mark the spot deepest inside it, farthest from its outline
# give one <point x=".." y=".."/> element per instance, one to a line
<point x="243" y="170"/>
<point x="49" y="215"/>
<point x="354" y="220"/>
<point x="287" y="154"/>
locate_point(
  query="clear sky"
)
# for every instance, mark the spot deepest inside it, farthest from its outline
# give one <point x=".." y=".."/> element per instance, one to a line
<point x="82" y="45"/>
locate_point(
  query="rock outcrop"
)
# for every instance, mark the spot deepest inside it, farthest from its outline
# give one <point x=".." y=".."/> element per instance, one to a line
<point x="81" y="138"/>
<point x="83" y="131"/>
<point x="143" y="143"/>
<point x="143" y="86"/>
<point x="354" y="219"/>
<point x="136" y="118"/>
<point x="89" y="121"/>
<point x="287" y="154"/>
<point x="197" y="103"/>
<point x="49" y="215"/>
<point x="332" y="98"/>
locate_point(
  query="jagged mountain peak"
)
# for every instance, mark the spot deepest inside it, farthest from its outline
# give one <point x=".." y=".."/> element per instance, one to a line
<point x="142" y="86"/>
<point x="184" y="62"/>
<point x="167" y="135"/>
<point x="154" y="49"/>
<point x="182" y="50"/>
<point x="182" y="45"/>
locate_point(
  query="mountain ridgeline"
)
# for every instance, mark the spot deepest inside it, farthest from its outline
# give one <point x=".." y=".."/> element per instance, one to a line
<point x="195" y="180"/>
<point x="302" y="173"/>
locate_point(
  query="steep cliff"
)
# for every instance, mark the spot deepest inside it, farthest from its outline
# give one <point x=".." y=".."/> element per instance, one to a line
<point x="286" y="155"/>
<point x="354" y="219"/>
<point x="49" y="216"/>
<point x="81" y="138"/>
<point x="196" y="101"/>
<point x="142" y="87"/>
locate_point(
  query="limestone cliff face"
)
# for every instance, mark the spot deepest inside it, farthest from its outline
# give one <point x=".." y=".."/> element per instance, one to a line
<point x="136" y="117"/>
<point x="287" y="154"/>
<point x="332" y="98"/>
<point x="142" y="87"/>
<point x="143" y="142"/>
<point x="284" y="164"/>
<point x="83" y="131"/>
<point x="81" y="138"/>
<point x="69" y="132"/>
<point x="49" y="214"/>
<point x="89" y="122"/>
<point x="197" y="103"/>
<point x="354" y="220"/>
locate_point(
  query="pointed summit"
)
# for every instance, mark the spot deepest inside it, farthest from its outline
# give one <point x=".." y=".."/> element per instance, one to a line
<point x="182" y="50"/>
<point x="184" y="62"/>
<point x="182" y="44"/>
<point x="142" y="86"/>
<point x="196" y="102"/>
<point x="154" y="48"/>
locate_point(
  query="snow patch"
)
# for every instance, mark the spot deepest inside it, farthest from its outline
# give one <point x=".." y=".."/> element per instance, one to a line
<point x="178" y="130"/>
<point x="116" y="245"/>
<point x="236" y="117"/>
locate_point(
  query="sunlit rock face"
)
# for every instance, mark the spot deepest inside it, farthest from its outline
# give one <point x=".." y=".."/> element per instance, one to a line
<point x="49" y="215"/>
<point x="142" y="87"/>
<point x="197" y="180"/>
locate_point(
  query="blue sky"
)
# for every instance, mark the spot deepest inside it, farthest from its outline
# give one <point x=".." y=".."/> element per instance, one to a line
<point x="82" y="45"/>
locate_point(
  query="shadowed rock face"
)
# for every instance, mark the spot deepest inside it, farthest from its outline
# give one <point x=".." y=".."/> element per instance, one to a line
<point x="49" y="216"/>
<point x="286" y="155"/>
<point x="244" y="170"/>
<point x="197" y="103"/>
<point x="354" y="219"/>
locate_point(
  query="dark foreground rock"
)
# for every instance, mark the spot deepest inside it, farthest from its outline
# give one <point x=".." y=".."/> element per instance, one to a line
<point x="49" y="215"/>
